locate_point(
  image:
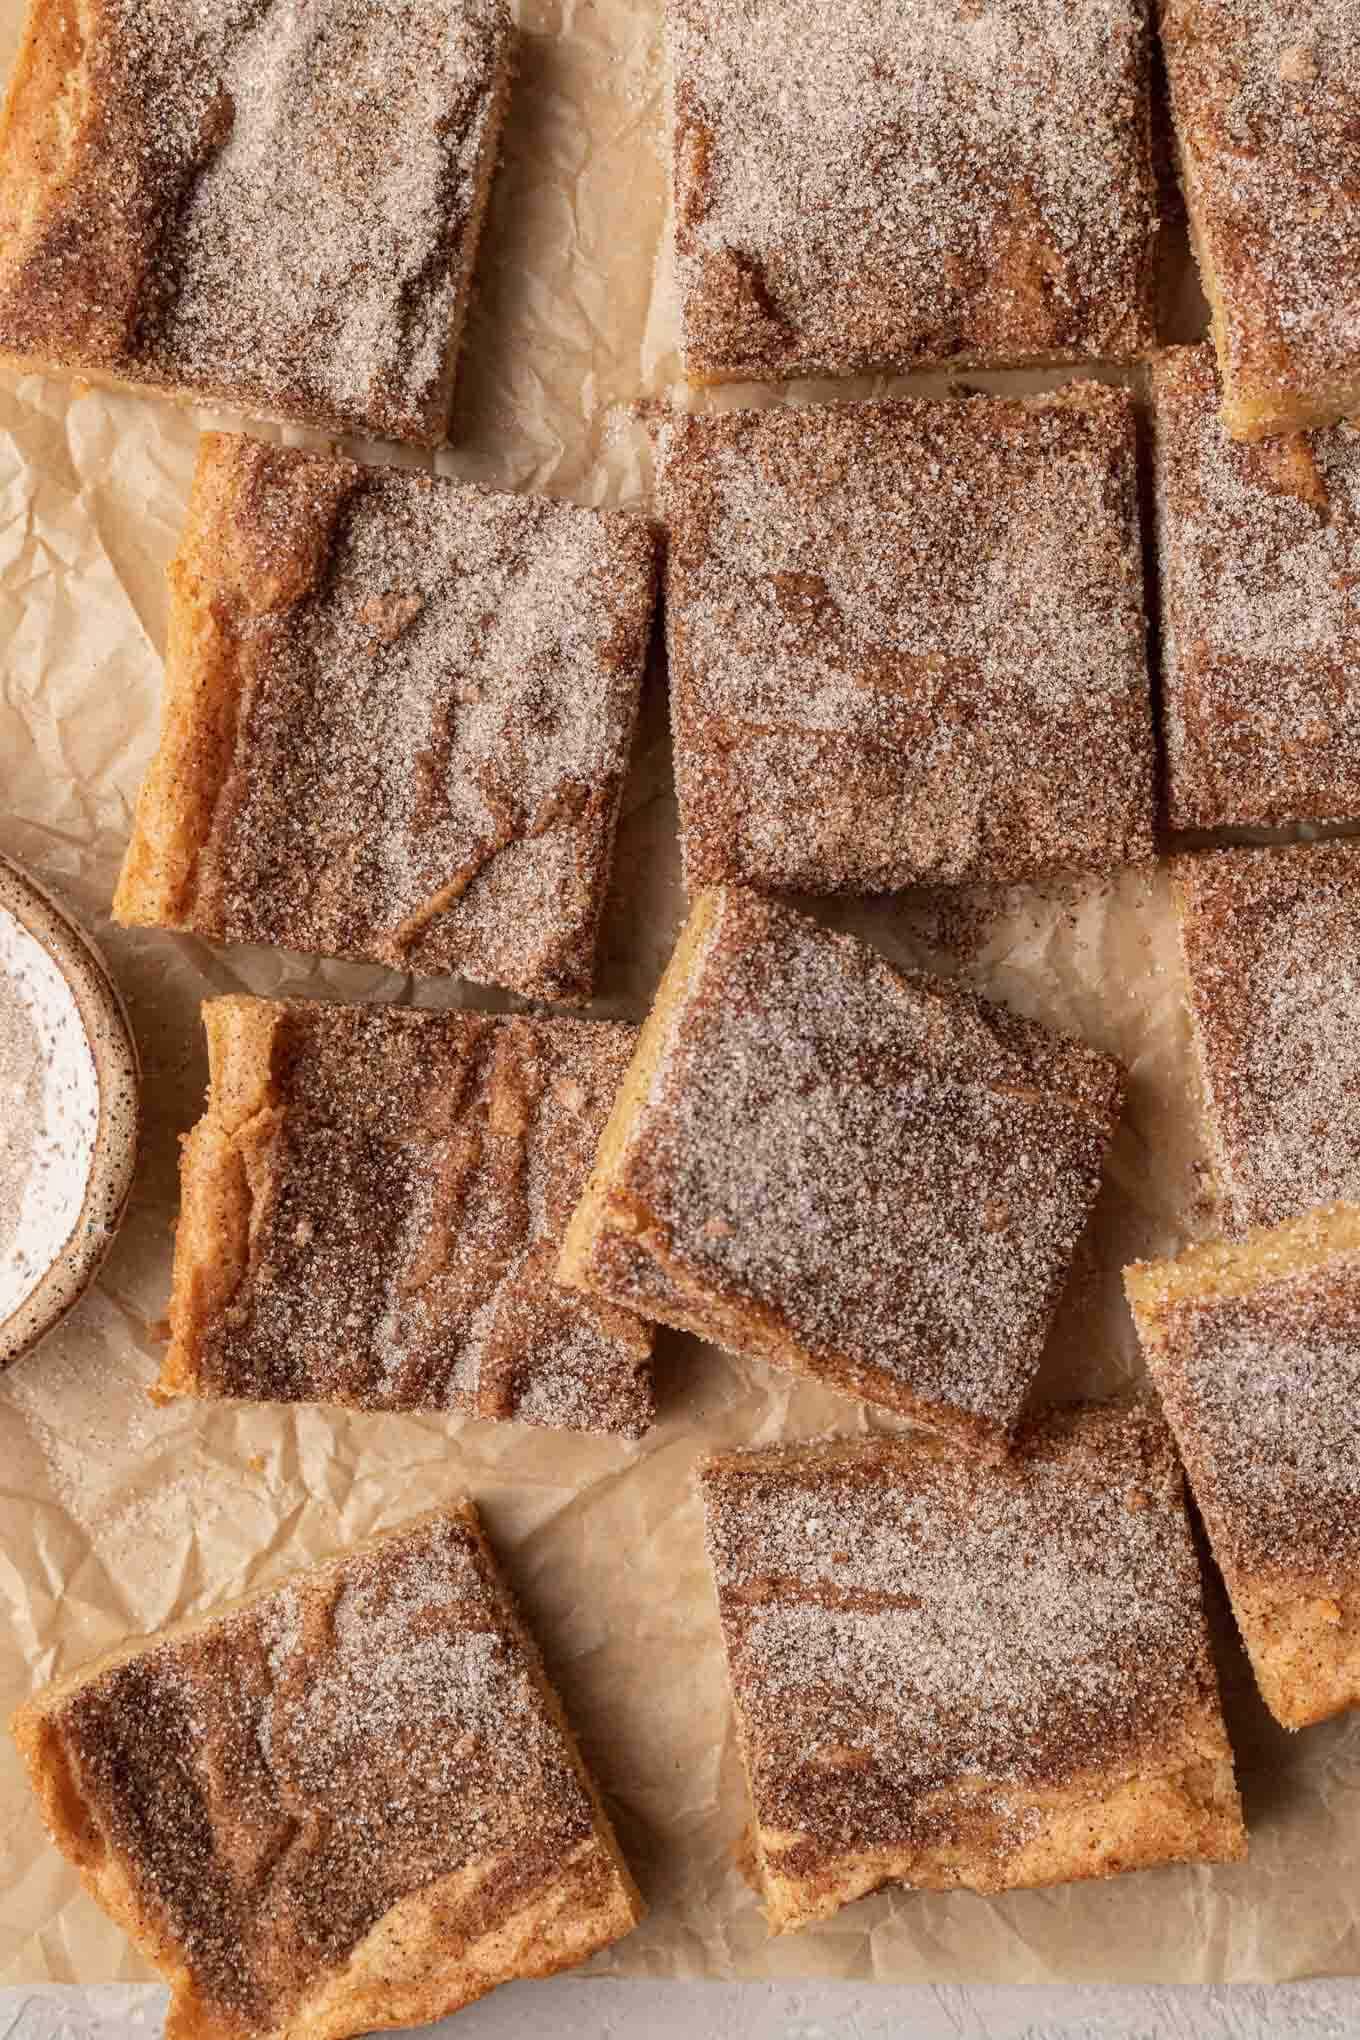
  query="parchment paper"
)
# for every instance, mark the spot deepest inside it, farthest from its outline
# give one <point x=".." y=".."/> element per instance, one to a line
<point x="116" y="1517"/>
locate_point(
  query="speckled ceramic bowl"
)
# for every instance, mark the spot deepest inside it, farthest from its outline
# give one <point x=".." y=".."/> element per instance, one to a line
<point x="69" y="1259"/>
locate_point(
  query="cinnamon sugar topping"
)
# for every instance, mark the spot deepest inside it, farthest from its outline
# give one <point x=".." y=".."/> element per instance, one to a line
<point x="1260" y="549"/>
<point x="277" y="1781"/>
<point x="886" y="183"/>
<point x="886" y="1170"/>
<point x="911" y="1635"/>
<point x="1272" y="952"/>
<point x="1266" y="101"/>
<point x="434" y="721"/>
<point x="414" y="1172"/>
<point x="907" y="641"/>
<point x="1262" y="1388"/>
<point x="272" y="203"/>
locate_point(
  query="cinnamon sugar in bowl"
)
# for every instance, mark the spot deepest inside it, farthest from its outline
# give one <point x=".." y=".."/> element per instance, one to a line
<point x="69" y="1084"/>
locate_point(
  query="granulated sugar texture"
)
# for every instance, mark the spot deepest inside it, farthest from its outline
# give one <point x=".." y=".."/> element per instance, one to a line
<point x="1260" y="549"/>
<point x="886" y="183"/>
<point x="49" y="1112"/>
<point x="1272" y="954"/>
<point x="279" y="207"/>
<point x="900" y="1620"/>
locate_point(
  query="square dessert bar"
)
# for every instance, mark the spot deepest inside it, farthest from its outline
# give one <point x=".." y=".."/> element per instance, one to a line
<point x="1260" y="566"/>
<point x="275" y="208"/>
<point x="1265" y="101"/>
<point x="948" y="1674"/>
<point x="1271" y="942"/>
<point x="1255" y="1347"/>
<point x="889" y="183"/>
<point x="871" y="1177"/>
<point x="397" y="719"/>
<point x="371" y="1212"/>
<point x="907" y="643"/>
<point x="349" y="1802"/>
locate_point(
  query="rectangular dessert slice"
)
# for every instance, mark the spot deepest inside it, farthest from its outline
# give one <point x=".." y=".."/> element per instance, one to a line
<point x="397" y="719"/>
<point x="907" y="642"/>
<point x="1271" y="942"/>
<point x="372" y="1208"/>
<point x="1255" y="1348"/>
<point x="1260" y="564"/>
<point x="816" y="1160"/>
<point x="352" y="1801"/>
<point x="890" y="183"/>
<point x="948" y="1674"/>
<point x="275" y="208"/>
<point x="1265" y="100"/>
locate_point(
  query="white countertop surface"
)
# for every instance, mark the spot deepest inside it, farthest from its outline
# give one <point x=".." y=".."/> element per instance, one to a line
<point x="569" y="2008"/>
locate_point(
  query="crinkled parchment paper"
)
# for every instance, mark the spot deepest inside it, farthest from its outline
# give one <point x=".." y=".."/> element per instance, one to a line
<point x="116" y="1517"/>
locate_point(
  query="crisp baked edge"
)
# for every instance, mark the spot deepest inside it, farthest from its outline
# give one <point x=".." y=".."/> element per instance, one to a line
<point x="1220" y="1268"/>
<point x="1221" y="1183"/>
<point x="1252" y="405"/>
<point x="158" y="884"/>
<point x="601" y="1210"/>
<point x="539" y="1940"/>
<point x="223" y="1177"/>
<point x="1099" y="1826"/>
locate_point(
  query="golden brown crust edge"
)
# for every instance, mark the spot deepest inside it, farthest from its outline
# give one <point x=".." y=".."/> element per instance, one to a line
<point x="222" y="1178"/>
<point x="1098" y="1828"/>
<point x="1253" y="406"/>
<point x="179" y="795"/>
<point x="595" y="1902"/>
<point x="229" y="563"/>
<point x="50" y="125"/>
<point x="32" y="166"/>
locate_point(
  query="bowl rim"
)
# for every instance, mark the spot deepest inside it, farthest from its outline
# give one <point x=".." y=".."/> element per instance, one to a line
<point x="113" y="1161"/>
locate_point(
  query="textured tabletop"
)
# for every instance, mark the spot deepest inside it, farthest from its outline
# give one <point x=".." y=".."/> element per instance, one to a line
<point x="578" y="2009"/>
